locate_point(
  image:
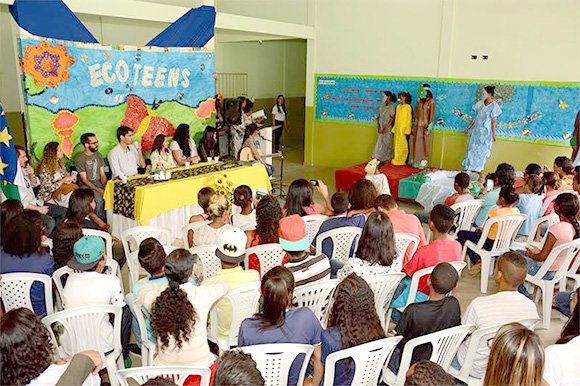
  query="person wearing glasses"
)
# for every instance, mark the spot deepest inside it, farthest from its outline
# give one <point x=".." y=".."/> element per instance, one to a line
<point x="91" y="167"/>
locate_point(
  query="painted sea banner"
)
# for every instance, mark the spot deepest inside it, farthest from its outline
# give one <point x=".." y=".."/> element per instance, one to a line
<point x="540" y="112"/>
<point x="72" y="88"/>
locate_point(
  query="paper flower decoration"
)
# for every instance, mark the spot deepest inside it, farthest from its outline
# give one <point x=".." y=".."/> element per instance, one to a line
<point x="63" y="125"/>
<point x="47" y="65"/>
<point x="205" y="108"/>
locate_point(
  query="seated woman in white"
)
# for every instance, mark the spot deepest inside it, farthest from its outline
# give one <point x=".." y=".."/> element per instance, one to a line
<point x="183" y="147"/>
<point x="219" y="213"/>
<point x="161" y="157"/>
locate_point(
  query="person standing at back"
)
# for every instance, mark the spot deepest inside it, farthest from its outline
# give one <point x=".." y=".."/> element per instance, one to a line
<point x="279" y="118"/>
<point x="91" y="167"/>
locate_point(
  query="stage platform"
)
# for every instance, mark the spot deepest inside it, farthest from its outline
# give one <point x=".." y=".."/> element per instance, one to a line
<point x="346" y="177"/>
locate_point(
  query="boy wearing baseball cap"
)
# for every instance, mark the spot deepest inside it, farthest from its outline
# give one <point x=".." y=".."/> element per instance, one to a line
<point x="305" y="267"/>
<point x="231" y="251"/>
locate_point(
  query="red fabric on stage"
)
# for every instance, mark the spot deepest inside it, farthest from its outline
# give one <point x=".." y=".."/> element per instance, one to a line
<point x="346" y="177"/>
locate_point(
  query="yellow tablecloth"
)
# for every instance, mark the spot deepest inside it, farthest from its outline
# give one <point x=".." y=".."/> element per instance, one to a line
<point x="153" y="200"/>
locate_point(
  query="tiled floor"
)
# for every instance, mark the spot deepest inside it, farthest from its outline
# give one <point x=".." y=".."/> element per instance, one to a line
<point x="468" y="287"/>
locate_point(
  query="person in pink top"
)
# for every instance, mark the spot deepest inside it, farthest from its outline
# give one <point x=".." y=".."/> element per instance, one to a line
<point x="460" y="185"/>
<point x="402" y="221"/>
<point x="443" y="249"/>
<point x="552" y="184"/>
<point x="566" y="206"/>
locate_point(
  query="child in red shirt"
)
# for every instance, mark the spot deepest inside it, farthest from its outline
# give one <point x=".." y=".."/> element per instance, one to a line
<point x="461" y="184"/>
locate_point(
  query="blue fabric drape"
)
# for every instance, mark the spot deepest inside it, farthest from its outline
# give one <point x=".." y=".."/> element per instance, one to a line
<point x="51" y="19"/>
<point x="194" y="29"/>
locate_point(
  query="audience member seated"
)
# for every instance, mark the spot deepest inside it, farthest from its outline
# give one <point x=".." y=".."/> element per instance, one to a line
<point x="564" y="167"/>
<point x="531" y="170"/>
<point x="208" y="147"/>
<point x="376" y="252"/>
<point x="21" y="252"/>
<point x="305" y="267"/>
<point x="203" y="199"/>
<point x="236" y="368"/>
<point x="563" y="301"/>
<point x="441" y="249"/>
<point x="460" y="185"/>
<point x="530" y="202"/>
<point x="8" y="210"/>
<point x="161" y="157"/>
<point x="553" y="186"/>
<point x="50" y="213"/>
<point x="340" y="206"/>
<point x="63" y="240"/>
<point x="401" y="220"/>
<point x="561" y="365"/>
<point x="379" y="180"/>
<point x="126" y="158"/>
<point x="56" y="185"/>
<point x="219" y="212"/>
<point x="353" y="320"/>
<point x="427" y="373"/>
<point x="516" y="358"/>
<point x="180" y="326"/>
<point x="362" y="196"/>
<point x="576" y="183"/>
<point x="231" y="251"/>
<point x="253" y="143"/>
<point x="439" y="312"/>
<point x="504" y="176"/>
<point x="28" y="357"/>
<point x="183" y="147"/>
<point x="279" y="322"/>
<point x="91" y="168"/>
<point x="300" y="200"/>
<point x="268" y="215"/>
<point x="506" y="201"/>
<point x="507" y="305"/>
<point x="243" y="198"/>
<point x="90" y="285"/>
<point x="566" y="207"/>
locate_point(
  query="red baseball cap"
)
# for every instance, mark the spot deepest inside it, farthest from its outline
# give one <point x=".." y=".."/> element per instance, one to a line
<point x="293" y="236"/>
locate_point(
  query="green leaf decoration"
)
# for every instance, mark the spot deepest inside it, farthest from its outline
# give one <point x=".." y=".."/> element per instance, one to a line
<point x="31" y="87"/>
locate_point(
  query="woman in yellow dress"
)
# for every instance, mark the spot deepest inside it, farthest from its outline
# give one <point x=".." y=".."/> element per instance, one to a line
<point x="402" y="128"/>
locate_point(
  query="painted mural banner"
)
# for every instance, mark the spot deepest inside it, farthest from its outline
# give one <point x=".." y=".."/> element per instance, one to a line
<point x="539" y="112"/>
<point x="71" y="88"/>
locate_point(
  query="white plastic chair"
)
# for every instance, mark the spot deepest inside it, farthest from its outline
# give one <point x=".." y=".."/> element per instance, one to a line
<point x="108" y="247"/>
<point x="269" y="255"/>
<point x="15" y="290"/>
<point x="536" y="227"/>
<point x="135" y="269"/>
<point x="342" y="238"/>
<point x="313" y="223"/>
<point x="546" y="286"/>
<point x="445" y="344"/>
<point x="211" y="263"/>
<point x="83" y="327"/>
<point x="148" y="348"/>
<point x="572" y="274"/>
<point x="402" y="243"/>
<point x="274" y="361"/>
<point x="317" y="297"/>
<point x="131" y="238"/>
<point x="384" y="287"/>
<point x="465" y="213"/>
<point x="479" y="335"/>
<point x="244" y="303"/>
<point x="191" y="227"/>
<point x="507" y="230"/>
<point x="177" y="374"/>
<point x="368" y="359"/>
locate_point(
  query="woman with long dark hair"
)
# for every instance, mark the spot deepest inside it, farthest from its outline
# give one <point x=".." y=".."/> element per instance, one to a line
<point x="361" y="196"/>
<point x="208" y="147"/>
<point x="161" y="157"/>
<point x="8" y="210"/>
<point x="183" y="147"/>
<point x="386" y="119"/>
<point x="482" y="130"/>
<point x="279" y="118"/>
<point x="376" y="252"/>
<point x="402" y="128"/>
<point x="179" y="314"/>
<point x="28" y="355"/>
<point x="278" y="322"/>
<point x="353" y="321"/>
<point x="300" y="200"/>
<point x="56" y="185"/>
<point x="64" y="238"/>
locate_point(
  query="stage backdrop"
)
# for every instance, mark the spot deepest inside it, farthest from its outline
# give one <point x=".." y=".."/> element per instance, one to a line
<point x="71" y="88"/>
<point x="541" y="112"/>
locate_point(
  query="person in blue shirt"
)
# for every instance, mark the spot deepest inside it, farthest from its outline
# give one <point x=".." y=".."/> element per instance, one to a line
<point x="22" y="252"/>
<point x="530" y="203"/>
<point x="504" y="176"/>
<point x="353" y="321"/>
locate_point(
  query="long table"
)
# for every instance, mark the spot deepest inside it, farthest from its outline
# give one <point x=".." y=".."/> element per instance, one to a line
<point x="170" y="204"/>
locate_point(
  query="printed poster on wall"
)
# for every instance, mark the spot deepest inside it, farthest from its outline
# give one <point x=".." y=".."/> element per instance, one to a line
<point x="71" y="88"/>
<point x="540" y="112"/>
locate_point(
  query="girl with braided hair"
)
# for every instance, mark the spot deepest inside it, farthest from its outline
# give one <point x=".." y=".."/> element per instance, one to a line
<point x="180" y="326"/>
<point x="566" y="207"/>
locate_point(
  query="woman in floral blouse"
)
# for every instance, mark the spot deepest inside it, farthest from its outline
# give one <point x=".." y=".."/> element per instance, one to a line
<point x="56" y="185"/>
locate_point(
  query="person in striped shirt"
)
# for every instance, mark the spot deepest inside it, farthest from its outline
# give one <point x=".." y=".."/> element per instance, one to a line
<point x="305" y="267"/>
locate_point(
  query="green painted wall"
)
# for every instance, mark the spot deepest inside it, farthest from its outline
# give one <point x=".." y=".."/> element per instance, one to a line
<point x="294" y="137"/>
<point x="345" y="144"/>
